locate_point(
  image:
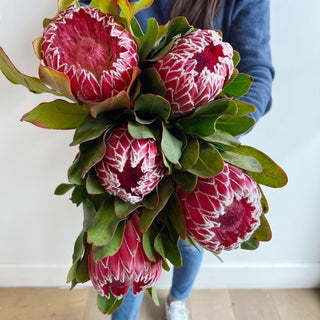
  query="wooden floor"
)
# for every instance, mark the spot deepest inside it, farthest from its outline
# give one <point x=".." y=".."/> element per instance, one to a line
<point x="80" y="304"/>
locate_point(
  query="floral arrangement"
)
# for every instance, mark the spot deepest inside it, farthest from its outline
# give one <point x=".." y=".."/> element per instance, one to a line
<point x="156" y="116"/>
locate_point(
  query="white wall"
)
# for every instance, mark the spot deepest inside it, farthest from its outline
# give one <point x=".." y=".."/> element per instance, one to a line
<point x="38" y="229"/>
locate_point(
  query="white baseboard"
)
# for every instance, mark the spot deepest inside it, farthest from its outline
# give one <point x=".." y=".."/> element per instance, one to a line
<point x="223" y="276"/>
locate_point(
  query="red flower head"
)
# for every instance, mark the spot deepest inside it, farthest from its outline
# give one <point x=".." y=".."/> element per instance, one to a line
<point x="224" y="211"/>
<point x="131" y="168"/>
<point x="195" y="70"/>
<point x="129" y="266"/>
<point x="95" y="51"/>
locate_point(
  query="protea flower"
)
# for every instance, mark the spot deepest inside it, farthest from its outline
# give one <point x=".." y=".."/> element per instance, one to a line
<point x="195" y="70"/>
<point x="95" y="51"/>
<point x="223" y="211"/>
<point x="129" y="266"/>
<point x="131" y="168"/>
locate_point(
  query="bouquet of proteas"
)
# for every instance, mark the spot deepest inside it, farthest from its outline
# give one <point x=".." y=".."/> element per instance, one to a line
<point x="155" y="117"/>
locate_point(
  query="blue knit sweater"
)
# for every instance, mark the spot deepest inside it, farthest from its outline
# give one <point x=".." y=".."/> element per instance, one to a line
<point x="245" y="25"/>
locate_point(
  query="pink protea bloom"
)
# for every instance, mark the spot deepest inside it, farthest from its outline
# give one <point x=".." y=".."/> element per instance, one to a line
<point x="131" y="168"/>
<point x="129" y="266"/>
<point x="195" y="70"/>
<point x="96" y="53"/>
<point x="223" y="211"/>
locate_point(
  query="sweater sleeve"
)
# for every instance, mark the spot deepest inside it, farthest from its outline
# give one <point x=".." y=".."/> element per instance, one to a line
<point x="249" y="34"/>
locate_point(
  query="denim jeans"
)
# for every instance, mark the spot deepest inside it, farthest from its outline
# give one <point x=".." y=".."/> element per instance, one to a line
<point x="182" y="282"/>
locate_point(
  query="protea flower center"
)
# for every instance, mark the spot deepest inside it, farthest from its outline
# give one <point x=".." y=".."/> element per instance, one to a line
<point x="129" y="266"/>
<point x="223" y="211"/>
<point x="195" y="70"/>
<point x="131" y="168"/>
<point x="96" y="53"/>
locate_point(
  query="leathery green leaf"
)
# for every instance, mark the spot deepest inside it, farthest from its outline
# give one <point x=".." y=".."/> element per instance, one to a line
<point x="123" y="209"/>
<point x="149" y="39"/>
<point x="58" y="114"/>
<point x="251" y="244"/>
<point x="153" y="293"/>
<point x="165" y="188"/>
<point x="105" y="6"/>
<point x="263" y="233"/>
<point x="168" y="248"/>
<point x="272" y="175"/>
<point x="235" y="58"/>
<point x="151" y="82"/>
<point x="264" y="202"/>
<point x="140" y="5"/>
<point x="242" y="161"/>
<point x="108" y="305"/>
<point x="190" y="154"/>
<point x="210" y="162"/>
<point x="63" y="188"/>
<point x="93" y="185"/>
<point x="91" y="152"/>
<point x="175" y="215"/>
<point x="74" y="172"/>
<point x="104" y="225"/>
<point x="91" y="128"/>
<point x="65" y="4"/>
<point x="235" y="125"/>
<point x="150" y="106"/>
<point x="148" y="241"/>
<point x="58" y="81"/>
<point x="185" y="180"/>
<point x="141" y="131"/>
<point x="33" y="84"/>
<point x="112" y="247"/>
<point x="244" y="108"/>
<point x="171" y="146"/>
<point x="238" y="87"/>
<point x="223" y="138"/>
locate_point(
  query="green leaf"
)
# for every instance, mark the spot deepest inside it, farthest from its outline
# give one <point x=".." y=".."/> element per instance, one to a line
<point x="168" y="248"/>
<point x="37" y="46"/>
<point x="91" y="152"/>
<point x="119" y="101"/>
<point x="176" y="216"/>
<point x="153" y="293"/>
<point x="136" y="29"/>
<point x="57" y="114"/>
<point x="58" y="81"/>
<point x="175" y="27"/>
<point x="210" y="162"/>
<point x="79" y="194"/>
<point x="238" y="87"/>
<point x="105" y="224"/>
<point x="112" y="247"/>
<point x="263" y="233"/>
<point x="65" y="4"/>
<point x="241" y="161"/>
<point x="108" y="305"/>
<point x="264" y="202"/>
<point x="151" y="106"/>
<point x="82" y="274"/>
<point x="63" y="188"/>
<point x="110" y="7"/>
<point x="77" y="254"/>
<point x="235" y="125"/>
<point x="140" y="5"/>
<point x="148" y="241"/>
<point x="251" y="244"/>
<point x="141" y="131"/>
<point x="125" y="11"/>
<point x="165" y="188"/>
<point x="74" y="172"/>
<point x="235" y="58"/>
<point x="202" y="121"/>
<point x="185" y="180"/>
<point x="149" y="39"/>
<point x="244" y="108"/>
<point x="123" y="209"/>
<point x="92" y="128"/>
<point x="190" y="154"/>
<point x="223" y="139"/>
<point x="34" y="85"/>
<point x="272" y="175"/>
<point x="93" y="185"/>
<point x="171" y="146"/>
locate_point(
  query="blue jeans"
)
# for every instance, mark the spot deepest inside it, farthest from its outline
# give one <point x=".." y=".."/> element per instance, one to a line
<point x="182" y="282"/>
